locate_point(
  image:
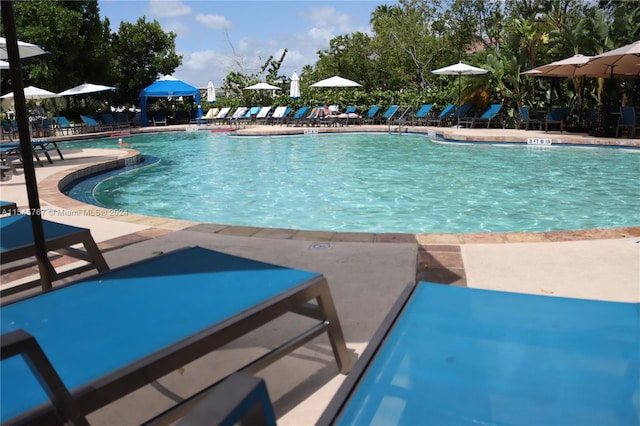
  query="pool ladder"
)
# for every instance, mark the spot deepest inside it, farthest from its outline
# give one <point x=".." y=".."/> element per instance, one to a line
<point x="400" y="121"/>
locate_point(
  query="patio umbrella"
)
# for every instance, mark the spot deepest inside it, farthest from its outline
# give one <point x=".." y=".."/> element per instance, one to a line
<point x="10" y="48"/>
<point x="294" y="90"/>
<point x="211" y="92"/>
<point x="621" y="62"/>
<point x="32" y="92"/>
<point x="336" y="81"/>
<point x="460" y="69"/>
<point x="4" y="65"/>
<point x="85" y="88"/>
<point x="25" y="50"/>
<point x="563" y="68"/>
<point x="262" y="86"/>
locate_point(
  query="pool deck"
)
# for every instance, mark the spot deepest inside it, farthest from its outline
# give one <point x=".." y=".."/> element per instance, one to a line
<point x="366" y="272"/>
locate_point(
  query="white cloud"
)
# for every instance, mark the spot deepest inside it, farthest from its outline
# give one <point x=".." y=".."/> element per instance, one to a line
<point x="326" y="18"/>
<point x="214" y="22"/>
<point x="168" y="8"/>
<point x="248" y="53"/>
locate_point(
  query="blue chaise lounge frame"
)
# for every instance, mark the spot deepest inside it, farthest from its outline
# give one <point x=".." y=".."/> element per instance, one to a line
<point x="16" y="243"/>
<point x="456" y="355"/>
<point x="186" y="304"/>
<point x="448" y="355"/>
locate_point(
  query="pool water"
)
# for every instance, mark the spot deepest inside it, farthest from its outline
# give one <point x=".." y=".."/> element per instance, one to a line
<point x="376" y="183"/>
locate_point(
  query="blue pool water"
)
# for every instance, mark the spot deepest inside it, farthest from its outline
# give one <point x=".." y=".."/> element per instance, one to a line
<point x="376" y="183"/>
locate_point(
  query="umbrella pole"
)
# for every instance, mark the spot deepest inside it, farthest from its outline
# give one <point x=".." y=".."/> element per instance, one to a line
<point x="459" y="84"/>
<point x="17" y="82"/>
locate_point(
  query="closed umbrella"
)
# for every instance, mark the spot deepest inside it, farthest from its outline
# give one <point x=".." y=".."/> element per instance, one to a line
<point x="294" y="90"/>
<point x="25" y="50"/>
<point x="211" y="92"/>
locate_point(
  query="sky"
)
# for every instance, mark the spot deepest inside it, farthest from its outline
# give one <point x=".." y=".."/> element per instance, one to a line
<point x="216" y="37"/>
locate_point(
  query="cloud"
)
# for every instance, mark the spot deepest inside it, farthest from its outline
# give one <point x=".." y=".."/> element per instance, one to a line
<point x="326" y="18"/>
<point x="320" y="25"/>
<point x="214" y="22"/>
<point x="168" y="8"/>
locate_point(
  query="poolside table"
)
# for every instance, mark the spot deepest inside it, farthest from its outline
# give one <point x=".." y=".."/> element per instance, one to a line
<point x="111" y="334"/>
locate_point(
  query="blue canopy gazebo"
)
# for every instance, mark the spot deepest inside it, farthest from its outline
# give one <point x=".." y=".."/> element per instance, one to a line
<point x="165" y="87"/>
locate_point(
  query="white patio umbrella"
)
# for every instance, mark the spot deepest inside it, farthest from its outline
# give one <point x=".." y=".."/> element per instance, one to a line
<point x="262" y="86"/>
<point x="4" y="65"/>
<point x="26" y="50"/>
<point x="211" y="92"/>
<point x="336" y="81"/>
<point x="460" y="69"/>
<point x="294" y="89"/>
<point x="85" y="88"/>
<point x="32" y="92"/>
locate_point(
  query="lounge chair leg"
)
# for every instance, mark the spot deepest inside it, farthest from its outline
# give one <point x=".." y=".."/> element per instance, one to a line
<point x="336" y="337"/>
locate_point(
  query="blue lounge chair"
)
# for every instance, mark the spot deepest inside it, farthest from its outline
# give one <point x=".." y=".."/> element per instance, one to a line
<point x="627" y="121"/>
<point x="422" y="115"/>
<point x="461" y="112"/>
<point x="348" y="117"/>
<point x="9" y="130"/>
<point x="159" y="118"/>
<point x="91" y="124"/>
<point x="454" y="355"/>
<point x="447" y="354"/>
<point x="12" y="151"/>
<point x="109" y="122"/>
<point x="62" y="125"/>
<point x="16" y="244"/>
<point x="8" y="207"/>
<point x="442" y="118"/>
<point x="299" y="116"/>
<point x="370" y="116"/>
<point x="527" y="119"/>
<point x="185" y="304"/>
<point x="487" y="117"/>
<point x="556" y="117"/>
<point x="388" y="115"/>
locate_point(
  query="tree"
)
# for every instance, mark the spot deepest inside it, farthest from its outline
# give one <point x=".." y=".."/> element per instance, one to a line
<point x="141" y="53"/>
<point x="78" y="42"/>
<point x="404" y="43"/>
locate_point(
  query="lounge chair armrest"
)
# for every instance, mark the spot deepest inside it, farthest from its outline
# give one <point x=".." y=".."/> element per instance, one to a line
<point x="238" y="399"/>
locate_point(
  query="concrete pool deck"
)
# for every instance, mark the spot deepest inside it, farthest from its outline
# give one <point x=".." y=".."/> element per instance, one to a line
<point x="366" y="273"/>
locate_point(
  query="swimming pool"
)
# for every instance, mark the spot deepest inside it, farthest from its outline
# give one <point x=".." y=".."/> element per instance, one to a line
<point x="376" y="183"/>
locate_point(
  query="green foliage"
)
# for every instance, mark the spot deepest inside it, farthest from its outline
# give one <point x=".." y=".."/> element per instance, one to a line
<point x="82" y="49"/>
<point x="393" y="63"/>
<point x="142" y="52"/>
<point x="74" y="34"/>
